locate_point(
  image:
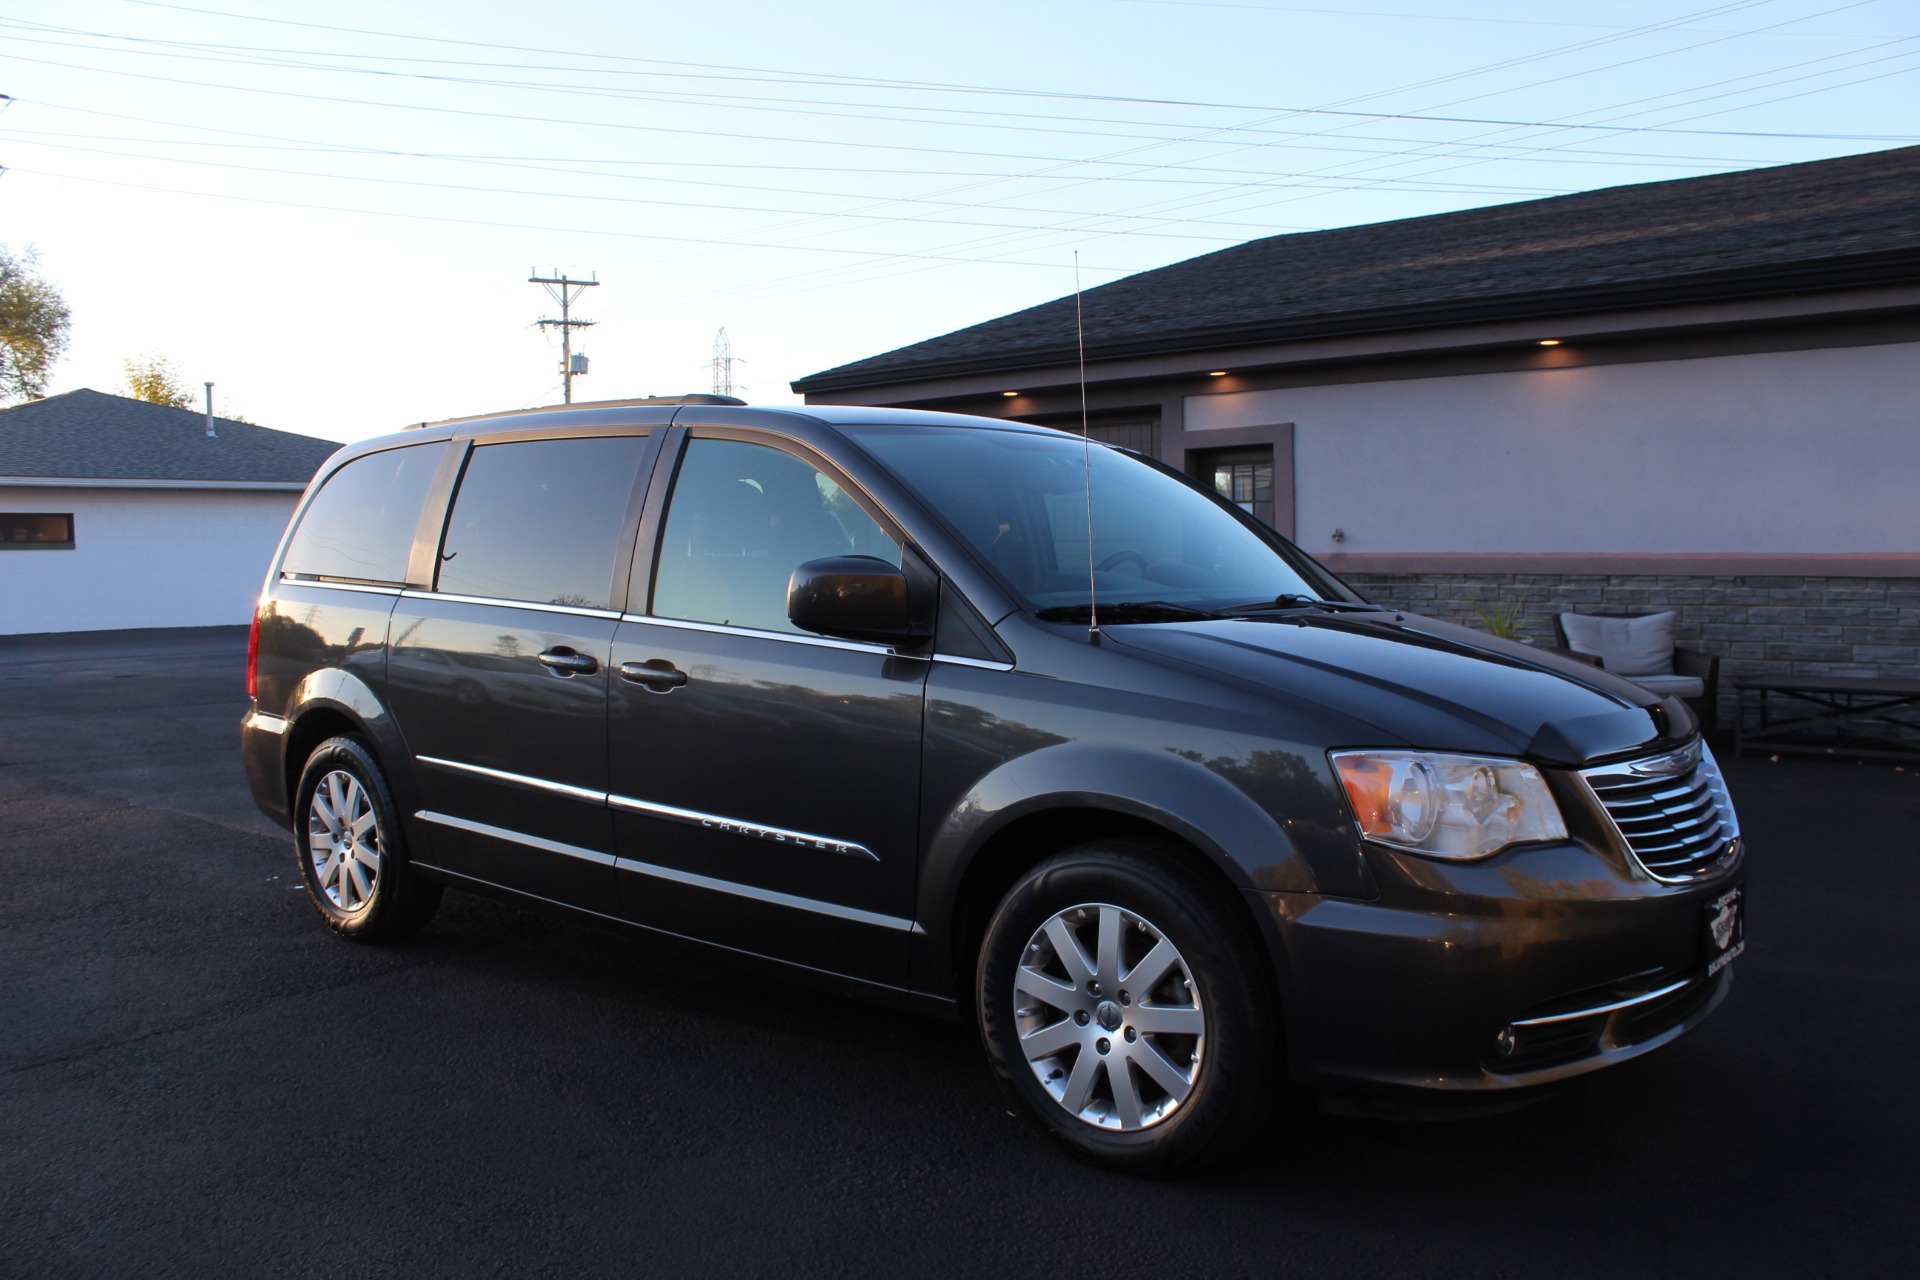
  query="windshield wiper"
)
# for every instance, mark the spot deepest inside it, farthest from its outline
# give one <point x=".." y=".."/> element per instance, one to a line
<point x="1121" y="611"/>
<point x="1294" y="600"/>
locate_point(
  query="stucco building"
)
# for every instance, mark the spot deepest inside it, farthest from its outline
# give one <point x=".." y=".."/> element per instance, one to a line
<point x="119" y="513"/>
<point x="1701" y="394"/>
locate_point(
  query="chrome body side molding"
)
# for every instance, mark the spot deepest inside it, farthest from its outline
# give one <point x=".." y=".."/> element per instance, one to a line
<point x="517" y="837"/>
<point x="794" y="901"/>
<point x="734" y="826"/>
<point x="814" y="905"/>
<point x="518" y="780"/>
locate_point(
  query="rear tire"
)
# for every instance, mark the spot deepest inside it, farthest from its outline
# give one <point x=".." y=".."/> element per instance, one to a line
<point x="351" y="850"/>
<point x="1123" y="1007"/>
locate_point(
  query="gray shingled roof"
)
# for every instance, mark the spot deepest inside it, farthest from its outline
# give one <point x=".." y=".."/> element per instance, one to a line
<point x="91" y="435"/>
<point x="1821" y="224"/>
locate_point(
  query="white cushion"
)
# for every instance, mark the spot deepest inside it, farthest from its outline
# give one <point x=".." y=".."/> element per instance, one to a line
<point x="1672" y="686"/>
<point x="1625" y="646"/>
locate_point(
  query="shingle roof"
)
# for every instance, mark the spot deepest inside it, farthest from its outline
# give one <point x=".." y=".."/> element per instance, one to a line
<point x="91" y="435"/>
<point x="1820" y="224"/>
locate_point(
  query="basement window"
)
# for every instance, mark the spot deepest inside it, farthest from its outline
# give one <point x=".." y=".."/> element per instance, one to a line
<point x="35" y="531"/>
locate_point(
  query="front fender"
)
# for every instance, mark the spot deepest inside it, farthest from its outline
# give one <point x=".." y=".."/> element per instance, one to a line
<point x="1178" y="794"/>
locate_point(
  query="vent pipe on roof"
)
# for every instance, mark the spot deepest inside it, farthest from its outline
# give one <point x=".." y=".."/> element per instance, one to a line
<point x="211" y="433"/>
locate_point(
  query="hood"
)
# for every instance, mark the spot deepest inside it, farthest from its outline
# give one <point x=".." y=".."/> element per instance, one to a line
<point x="1425" y="683"/>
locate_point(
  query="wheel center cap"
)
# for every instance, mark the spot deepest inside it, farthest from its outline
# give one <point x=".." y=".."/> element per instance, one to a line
<point x="1107" y="1014"/>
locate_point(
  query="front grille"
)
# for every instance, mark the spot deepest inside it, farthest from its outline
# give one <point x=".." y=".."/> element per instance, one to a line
<point x="1671" y="810"/>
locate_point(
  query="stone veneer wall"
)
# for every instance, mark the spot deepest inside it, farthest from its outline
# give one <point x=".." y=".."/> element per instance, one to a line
<point x="1758" y="625"/>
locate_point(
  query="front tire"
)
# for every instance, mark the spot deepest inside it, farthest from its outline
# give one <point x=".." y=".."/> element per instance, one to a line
<point x="1122" y="1005"/>
<point x="352" y="853"/>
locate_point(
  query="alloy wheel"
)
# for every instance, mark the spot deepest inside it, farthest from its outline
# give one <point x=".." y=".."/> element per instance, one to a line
<point x="1109" y="1018"/>
<point x="343" y="840"/>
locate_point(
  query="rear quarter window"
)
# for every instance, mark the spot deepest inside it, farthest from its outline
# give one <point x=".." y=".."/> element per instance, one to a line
<point x="360" y="525"/>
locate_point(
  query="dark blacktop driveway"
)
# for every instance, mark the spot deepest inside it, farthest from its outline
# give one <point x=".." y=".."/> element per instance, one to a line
<point x="196" y="1078"/>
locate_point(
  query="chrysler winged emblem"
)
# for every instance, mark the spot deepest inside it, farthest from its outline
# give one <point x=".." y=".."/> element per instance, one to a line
<point x="1670" y="765"/>
<point x="1724" y="921"/>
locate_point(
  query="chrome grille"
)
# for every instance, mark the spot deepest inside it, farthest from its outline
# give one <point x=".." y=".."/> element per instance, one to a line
<point x="1672" y="810"/>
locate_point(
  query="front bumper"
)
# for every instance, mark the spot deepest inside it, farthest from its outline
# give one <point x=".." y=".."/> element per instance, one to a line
<point x="1528" y="969"/>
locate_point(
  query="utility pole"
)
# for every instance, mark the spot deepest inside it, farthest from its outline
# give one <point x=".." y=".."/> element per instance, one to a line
<point x="565" y="291"/>
<point x="722" y="364"/>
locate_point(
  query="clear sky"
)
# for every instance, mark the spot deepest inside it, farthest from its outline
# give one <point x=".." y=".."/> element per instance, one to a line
<point x="331" y="210"/>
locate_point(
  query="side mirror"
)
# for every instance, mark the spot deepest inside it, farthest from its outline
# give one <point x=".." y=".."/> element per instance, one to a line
<point x="853" y="598"/>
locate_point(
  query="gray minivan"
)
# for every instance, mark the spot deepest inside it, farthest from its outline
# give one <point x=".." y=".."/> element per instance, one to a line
<point x="986" y="720"/>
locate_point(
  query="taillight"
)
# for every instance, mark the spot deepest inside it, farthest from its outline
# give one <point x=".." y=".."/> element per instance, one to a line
<point x="253" y="655"/>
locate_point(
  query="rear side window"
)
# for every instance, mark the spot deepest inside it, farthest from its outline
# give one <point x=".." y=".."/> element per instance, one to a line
<point x="540" y="520"/>
<point x="360" y="525"/>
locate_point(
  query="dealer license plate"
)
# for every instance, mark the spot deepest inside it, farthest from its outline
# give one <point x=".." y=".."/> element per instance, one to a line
<point x="1726" y="930"/>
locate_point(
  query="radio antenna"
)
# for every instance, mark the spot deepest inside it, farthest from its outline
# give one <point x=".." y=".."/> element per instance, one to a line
<point x="1086" y="449"/>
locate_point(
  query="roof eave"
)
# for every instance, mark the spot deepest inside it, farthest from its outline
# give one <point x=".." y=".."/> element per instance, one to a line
<point x="1886" y="268"/>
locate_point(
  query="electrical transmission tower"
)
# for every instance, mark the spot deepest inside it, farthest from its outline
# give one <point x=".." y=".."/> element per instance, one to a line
<point x="566" y="291"/>
<point x="722" y="364"/>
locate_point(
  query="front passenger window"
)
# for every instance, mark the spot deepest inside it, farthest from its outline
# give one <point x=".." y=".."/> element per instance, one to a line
<point x="742" y="518"/>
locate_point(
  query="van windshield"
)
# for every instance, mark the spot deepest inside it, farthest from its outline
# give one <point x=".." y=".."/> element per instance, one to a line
<point x="1020" y="500"/>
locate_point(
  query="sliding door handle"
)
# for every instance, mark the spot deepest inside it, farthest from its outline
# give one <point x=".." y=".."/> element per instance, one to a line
<point x="563" y="661"/>
<point x="655" y="673"/>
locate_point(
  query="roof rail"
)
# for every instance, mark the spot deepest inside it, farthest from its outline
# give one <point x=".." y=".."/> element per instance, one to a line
<point x="695" y="398"/>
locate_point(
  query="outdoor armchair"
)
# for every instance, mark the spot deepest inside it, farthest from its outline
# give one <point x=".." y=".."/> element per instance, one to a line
<point x="1640" y="648"/>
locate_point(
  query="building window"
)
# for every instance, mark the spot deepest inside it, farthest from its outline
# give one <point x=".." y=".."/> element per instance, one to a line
<point x="23" y="531"/>
<point x="1243" y="477"/>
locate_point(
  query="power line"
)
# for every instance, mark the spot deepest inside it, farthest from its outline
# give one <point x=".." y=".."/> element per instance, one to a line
<point x="1003" y="232"/>
<point x="818" y="216"/>
<point x="1415" y="17"/>
<point x="815" y="79"/>
<point x="1188" y="204"/>
<point x="634" y="200"/>
<point x="529" y="226"/>
<point x="870" y="272"/>
<point x="1612" y="158"/>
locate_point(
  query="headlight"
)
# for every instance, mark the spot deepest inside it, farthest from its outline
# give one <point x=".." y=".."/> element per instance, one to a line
<point x="1455" y="807"/>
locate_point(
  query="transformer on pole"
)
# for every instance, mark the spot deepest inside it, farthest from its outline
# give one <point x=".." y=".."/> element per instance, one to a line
<point x="566" y="291"/>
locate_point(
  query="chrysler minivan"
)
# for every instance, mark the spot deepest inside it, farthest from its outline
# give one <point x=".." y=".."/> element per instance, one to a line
<point x="987" y="720"/>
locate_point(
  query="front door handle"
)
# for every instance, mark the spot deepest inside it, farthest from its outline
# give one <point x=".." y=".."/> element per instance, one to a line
<point x="655" y="673"/>
<point x="565" y="662"/>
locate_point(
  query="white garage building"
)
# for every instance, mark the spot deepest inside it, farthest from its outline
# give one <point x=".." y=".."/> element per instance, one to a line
<point x="117" y="513"/>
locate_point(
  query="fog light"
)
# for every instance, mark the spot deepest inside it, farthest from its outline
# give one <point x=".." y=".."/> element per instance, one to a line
<point x="1505" y="1043"/>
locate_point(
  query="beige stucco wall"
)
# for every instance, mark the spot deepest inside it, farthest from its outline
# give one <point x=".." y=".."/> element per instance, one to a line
<point x="1775" y="452"/>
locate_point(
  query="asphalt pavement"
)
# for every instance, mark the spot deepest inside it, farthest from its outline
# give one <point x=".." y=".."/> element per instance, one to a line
<point x="196" y="1078"/>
